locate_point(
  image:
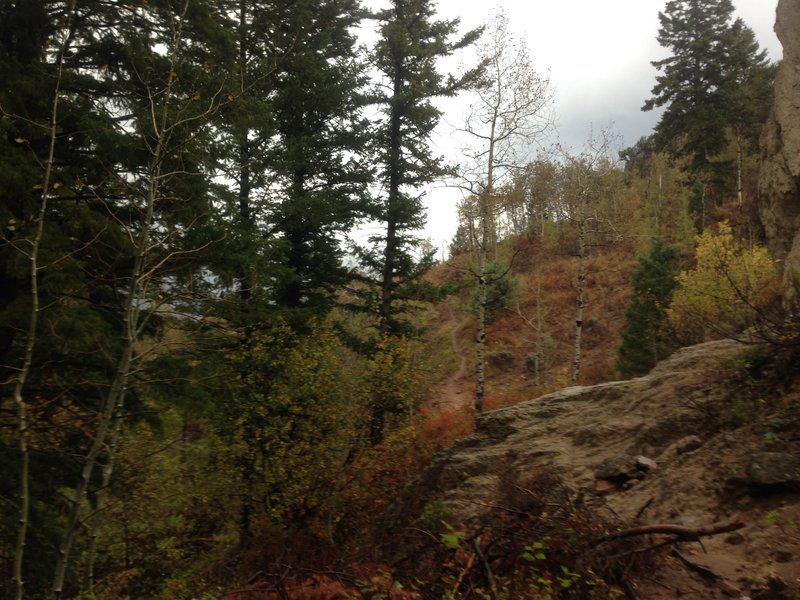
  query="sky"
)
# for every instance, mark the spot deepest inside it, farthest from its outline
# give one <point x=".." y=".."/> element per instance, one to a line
<point x="598" y="54"/>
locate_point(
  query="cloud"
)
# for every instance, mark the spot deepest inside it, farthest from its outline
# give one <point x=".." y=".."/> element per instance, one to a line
<point x="598" y="54"/>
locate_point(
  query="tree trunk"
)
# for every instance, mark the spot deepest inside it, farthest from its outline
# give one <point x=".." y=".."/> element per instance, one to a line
<point x="483" y="252"/>
<point x="576" y="355"/>
<point x="739" y="166"/>
<point x="659" y="203"/>
<point x="539" y="332"/>
<point x="480" y="335"/>
<point x="243" y="159"/>
<point x="386" y="325"/>
<point x="392" y="201"/>
<point x="246" y="510"/>
<point x="111" y="403"/>
<point x="100" y="501"/>
<point x="114" y="400"/>
<point x="30" y="340"/>
<point x="703" y="209"/>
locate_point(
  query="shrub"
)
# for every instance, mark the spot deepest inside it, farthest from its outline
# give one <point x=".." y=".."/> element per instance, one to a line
<point x="729" y="285"/>
<point x="501" y="289"/>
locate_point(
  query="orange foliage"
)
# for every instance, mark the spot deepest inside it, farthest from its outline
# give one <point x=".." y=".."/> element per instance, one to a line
<point x="550" y="278"/>
<point x="439" y="431"/>
<point x="368" y="581"/>
<point x="379" y="474"/>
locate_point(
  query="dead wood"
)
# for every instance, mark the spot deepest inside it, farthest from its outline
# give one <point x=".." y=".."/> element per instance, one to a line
<point x="679" y="531"/>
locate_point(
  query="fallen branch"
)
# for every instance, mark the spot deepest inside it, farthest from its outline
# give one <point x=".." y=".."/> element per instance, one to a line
<point x="707" y="573"/>
<point x="646" y="505"/>
<point x="643" y="550"/>
<point x="630" y="591"/>
<point x="680" y="532"/>
<point x="702" y="570"/>
<point x="463" y="573"/>
<point x="487" y="568"/>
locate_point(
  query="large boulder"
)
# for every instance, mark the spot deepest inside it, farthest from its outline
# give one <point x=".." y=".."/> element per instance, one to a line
<point x="660" y="449"/>
<point x="779" y="177"/>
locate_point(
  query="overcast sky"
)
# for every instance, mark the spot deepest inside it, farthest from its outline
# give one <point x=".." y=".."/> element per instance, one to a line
<point x="598" y="53"/>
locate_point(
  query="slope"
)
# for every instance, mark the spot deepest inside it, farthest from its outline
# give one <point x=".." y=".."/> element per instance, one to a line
<point x="530" y="342"/>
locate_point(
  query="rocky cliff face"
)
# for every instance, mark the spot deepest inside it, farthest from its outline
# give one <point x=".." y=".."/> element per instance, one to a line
<point x="677" y="446"/>
<point x="779" y="179"/>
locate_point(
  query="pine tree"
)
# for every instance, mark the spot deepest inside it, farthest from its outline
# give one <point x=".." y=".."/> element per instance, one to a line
<point x="645" y="339"/>
<point x="712" y="62"/>
<point x="406" y="56"/>
<point x="244" y="128"/>
<point x="125" y="223"/>
<point x="411" y="44"/>
<point x="55" y="232"/>
<point x="748" y="93"/>
<point x="317" y="158"/>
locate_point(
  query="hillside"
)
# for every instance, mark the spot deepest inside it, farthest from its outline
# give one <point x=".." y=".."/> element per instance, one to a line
<point x="226" y="354"/>
<point x="545" y="292"/>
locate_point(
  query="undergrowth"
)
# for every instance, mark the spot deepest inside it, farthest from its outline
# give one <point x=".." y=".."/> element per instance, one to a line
<point x="762" y="378"/>
<point x="539" y="542"/>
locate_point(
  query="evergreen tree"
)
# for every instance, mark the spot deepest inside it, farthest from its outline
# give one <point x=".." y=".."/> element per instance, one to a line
<point x="244" y="128"/>
<point x="713" y="61"/>
<point x="317" y="157"/>
<point x="748" y="88"/>
<point x="406" y="56"/>
<point x="51" y="101"/>
<point x="410" y="46"/>
<point x="292" y="142"/>
<point x="125" y="221"/>
<point x="645" y="339"/>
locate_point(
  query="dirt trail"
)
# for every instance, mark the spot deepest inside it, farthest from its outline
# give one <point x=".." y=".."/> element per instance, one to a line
<point x="454" y="393"/>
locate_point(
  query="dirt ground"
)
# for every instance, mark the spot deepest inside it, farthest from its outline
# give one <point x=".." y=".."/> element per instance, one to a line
<point x="454" y="393"/>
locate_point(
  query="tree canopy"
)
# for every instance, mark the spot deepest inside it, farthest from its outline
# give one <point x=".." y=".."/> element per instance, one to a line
<point x="714" y="59"/>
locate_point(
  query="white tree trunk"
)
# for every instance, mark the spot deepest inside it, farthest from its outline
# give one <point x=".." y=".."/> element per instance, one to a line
<point x="739" y="167"/>
<point x="483" y="252"/>
<point x="115" y="397"/>
<point x="539" y="332"/>
<point x="30" y="340"/>
<point x="581" y="284"/>
<point x="101" y="496"/>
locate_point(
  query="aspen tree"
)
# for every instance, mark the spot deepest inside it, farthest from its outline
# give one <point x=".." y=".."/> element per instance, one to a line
<point x="509" y="114"/>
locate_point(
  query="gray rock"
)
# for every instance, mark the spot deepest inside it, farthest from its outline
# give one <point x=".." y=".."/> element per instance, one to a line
<point x="688" y="444"/>
<point x="667" y="430"/>
<point x="779" y="198"/>
<point x="622" y="466"/>
<point x="646" y="464"/>
<point x="603" y="487"/>
<point x="773" y="469"/>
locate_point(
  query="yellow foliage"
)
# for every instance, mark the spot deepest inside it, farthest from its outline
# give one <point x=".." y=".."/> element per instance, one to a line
<point x="725" y="290"/>
<point x="298" y="419"/>
<point x="395" y="376"/>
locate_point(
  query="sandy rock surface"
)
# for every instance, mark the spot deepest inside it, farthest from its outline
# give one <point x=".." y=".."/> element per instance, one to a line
<point x="642" y="452"/>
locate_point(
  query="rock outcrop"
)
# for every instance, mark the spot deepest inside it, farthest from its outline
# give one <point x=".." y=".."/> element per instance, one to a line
<point x="648" y="450"/>
<point x="779" y="177"/>
<point x="604" y="431"/>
